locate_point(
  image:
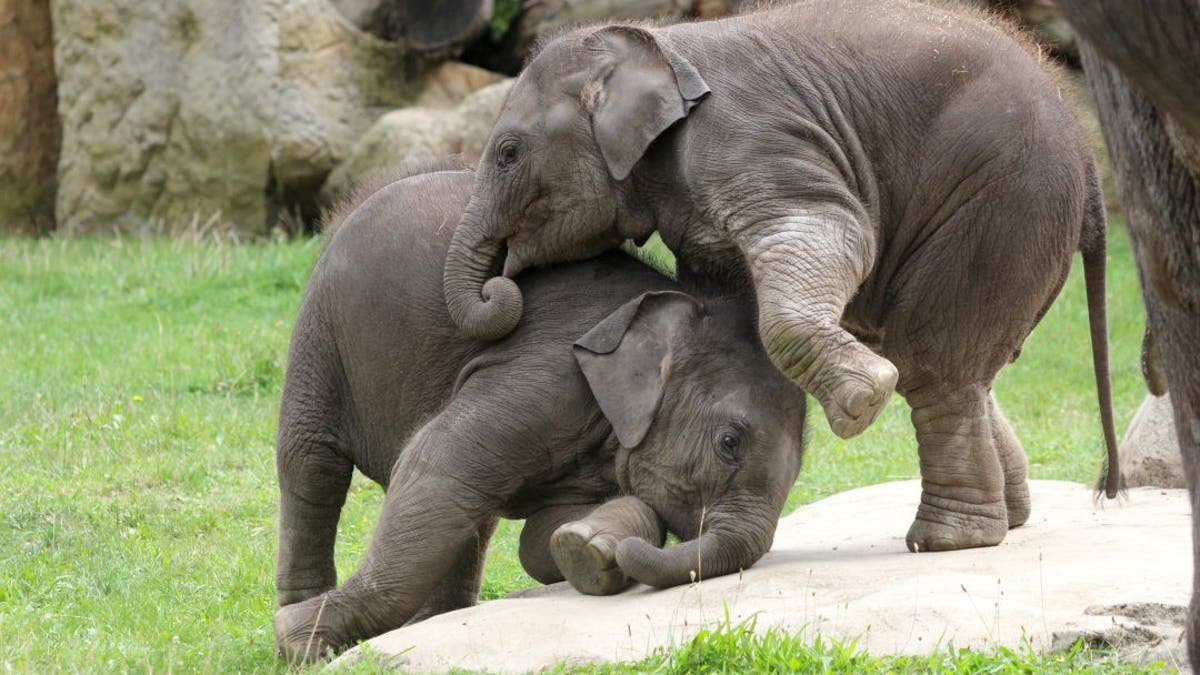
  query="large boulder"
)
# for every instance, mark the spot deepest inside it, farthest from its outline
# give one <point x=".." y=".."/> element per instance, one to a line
<point x="185" y="111"/>
<point x="1117" y="576"/>
<point x="538" y="18"/>
<point x="420" y="134"/>
<point x="1150" y="450"/>
<point x="29" y="132"/>
<point x="446" y="85"/>
<point x="435" y="29"/>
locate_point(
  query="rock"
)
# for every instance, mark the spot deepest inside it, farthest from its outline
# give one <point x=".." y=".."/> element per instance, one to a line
<point x="1150" y="450"/>
<point x="839" y="569"/>
<point x="538" y="18"/>
<point x="357" y="11"/>
<point x="476" y="115"/>
<point x="414" y="135"/>
<point x="433" y="29"/>
<point x="29" y="130"/>
<point x="183" y="111"/>
<point x="399" y="137"/>
<point x="1049" y="27"/>
<point x="446" y="85"/>
<point x="1044" y="21"/>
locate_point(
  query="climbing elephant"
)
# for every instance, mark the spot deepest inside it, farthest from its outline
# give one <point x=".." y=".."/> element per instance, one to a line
<point x="621" y="381"/>
<point x="1143" y="65"/>
<point x="900" y="185"/>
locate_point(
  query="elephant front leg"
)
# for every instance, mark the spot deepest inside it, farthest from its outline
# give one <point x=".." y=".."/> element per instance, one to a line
<point x="534" y="551"/>
<point x="806" y="269"/>
<point x="434" y="510"/>
<point x="460" y="588"/>
<point x="585" y="550"/>
<point x="420" y="534"/>
<point x="963" y="485"/>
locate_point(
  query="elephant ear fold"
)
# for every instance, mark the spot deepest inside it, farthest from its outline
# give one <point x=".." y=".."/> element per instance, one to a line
<point x="626" y="358"/>
<point x="643" y="89"/>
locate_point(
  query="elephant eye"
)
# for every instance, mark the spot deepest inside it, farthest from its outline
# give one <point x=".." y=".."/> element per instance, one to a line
<point x="729" y="444"/>
<point x="506" y="153"/>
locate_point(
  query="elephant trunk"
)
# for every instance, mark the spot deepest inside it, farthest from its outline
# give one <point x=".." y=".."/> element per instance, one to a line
<point x="482" y="308"/>
<point x="730" y="542"/>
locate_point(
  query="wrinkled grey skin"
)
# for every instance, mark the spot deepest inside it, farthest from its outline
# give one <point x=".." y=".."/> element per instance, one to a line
<point x="902" y="187"/>
<point x="617" y="382"/>
<point x="1143" y="65"/>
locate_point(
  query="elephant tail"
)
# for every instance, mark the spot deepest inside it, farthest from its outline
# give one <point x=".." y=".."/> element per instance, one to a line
<point x="1094" y="248"/>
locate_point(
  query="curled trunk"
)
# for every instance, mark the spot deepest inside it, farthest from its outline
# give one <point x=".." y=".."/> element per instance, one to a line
<point x="728" y="545"/>
<point x="483" y="308"/>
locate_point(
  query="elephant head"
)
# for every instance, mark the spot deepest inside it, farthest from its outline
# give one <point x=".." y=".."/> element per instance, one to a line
<point x="710" y="433"/>
<point x="553" y="179"/>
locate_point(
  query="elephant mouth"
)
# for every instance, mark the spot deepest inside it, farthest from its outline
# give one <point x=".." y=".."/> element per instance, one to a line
<point x="688" y="526"/>
<point x="514" y="263"/>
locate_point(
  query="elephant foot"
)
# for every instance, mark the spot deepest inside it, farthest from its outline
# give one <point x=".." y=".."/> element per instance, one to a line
<point x="298" y="638"/>
<point x="292" y="596"/>
<point x="949" y="525"/>
<point x="1017" y="503"/>
<point x="587" y="560"/>
<point x="860" y="394"/>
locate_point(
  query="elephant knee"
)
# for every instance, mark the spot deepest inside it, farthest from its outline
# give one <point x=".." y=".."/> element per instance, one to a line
<point x="534" y="553"/>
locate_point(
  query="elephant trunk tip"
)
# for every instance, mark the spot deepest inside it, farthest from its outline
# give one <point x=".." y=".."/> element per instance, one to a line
<point x="717" y="551"/>
<point x="648" y="564"/>
<point x="483" y="306"/>
<point x="490" y="315"/>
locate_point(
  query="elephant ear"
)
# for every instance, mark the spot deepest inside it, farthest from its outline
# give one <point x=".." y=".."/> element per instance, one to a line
<point x="644" y="90"/>
<point x="626" y="357"/>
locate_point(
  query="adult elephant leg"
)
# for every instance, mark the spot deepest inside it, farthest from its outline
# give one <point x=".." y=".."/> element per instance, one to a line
<point x="962" y="478"/>
<point x="806" y="269"/>
<point x="460" y="588"/>
<point x="432" y="510"/>
<point x="585" y="550"/>
<point x="1014" y="464"/>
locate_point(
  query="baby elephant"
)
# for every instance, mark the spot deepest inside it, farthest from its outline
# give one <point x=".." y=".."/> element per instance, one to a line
<point x="616" y="382"/>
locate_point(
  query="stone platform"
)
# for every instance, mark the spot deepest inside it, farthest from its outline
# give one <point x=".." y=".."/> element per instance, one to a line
<point x="1118" y="572"/>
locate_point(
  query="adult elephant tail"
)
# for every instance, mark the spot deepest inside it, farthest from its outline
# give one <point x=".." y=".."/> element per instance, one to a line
<point x="1094" y="248"/>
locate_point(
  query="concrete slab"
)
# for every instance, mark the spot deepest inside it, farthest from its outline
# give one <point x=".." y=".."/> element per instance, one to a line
<point x="1116" y="572"/>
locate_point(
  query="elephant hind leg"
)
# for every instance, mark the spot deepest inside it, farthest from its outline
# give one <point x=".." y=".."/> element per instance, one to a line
<point x="1014" y="464"/>
<point x="314" y="477"/>
<point x="962" y="478"/>
<point x="312" y="462"/>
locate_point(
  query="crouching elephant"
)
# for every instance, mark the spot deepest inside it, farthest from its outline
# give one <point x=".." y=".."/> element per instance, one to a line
<point x="618" y="382"/>
<point x="901" y="185"/>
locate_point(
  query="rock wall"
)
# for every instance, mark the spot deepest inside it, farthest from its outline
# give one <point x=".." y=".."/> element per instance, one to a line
<point x="186" y="111"/>
<point x="179" y="114"/>
<point x="420" y="134"/>
<point x="29" y="130"/>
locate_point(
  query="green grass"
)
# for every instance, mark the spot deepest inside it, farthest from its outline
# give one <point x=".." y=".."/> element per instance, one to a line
<point x="140" y="384"/>
<point x="730" y="648"/>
